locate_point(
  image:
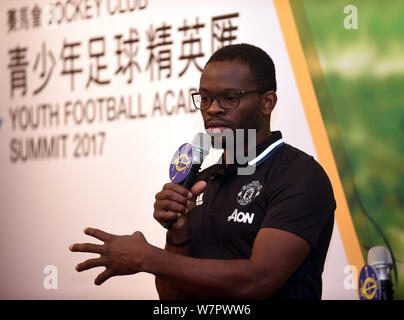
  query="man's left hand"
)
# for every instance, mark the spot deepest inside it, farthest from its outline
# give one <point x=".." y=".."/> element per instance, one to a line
<point x="120" y="255"/>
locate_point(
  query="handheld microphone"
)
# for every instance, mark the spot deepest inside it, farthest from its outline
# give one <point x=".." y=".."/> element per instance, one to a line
<point x="380" y="259"/>
<point x="186" y="162"/>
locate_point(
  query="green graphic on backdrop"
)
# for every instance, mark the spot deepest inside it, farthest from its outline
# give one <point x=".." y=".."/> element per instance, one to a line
<point x="358" y="76"/>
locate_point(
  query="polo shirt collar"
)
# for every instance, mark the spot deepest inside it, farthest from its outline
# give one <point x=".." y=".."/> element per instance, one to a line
<point x="266" y="148"/>
<point x="264" y="151"/>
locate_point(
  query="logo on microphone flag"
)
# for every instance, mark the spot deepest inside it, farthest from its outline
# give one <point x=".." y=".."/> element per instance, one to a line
<point x="181" y="163"/>
<point x="369" y="288"/>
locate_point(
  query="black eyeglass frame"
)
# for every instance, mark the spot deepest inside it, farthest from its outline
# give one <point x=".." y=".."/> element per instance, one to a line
<point x="220" y="95"/>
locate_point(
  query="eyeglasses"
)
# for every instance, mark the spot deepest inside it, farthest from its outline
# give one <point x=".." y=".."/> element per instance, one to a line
<point x="226" y="100"/>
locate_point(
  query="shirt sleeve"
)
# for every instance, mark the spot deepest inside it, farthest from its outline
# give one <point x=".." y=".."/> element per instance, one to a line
<point x="301" y="201"/>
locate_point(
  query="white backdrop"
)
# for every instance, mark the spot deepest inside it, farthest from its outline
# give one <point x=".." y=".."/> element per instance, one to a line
<point x="94" y="102"/>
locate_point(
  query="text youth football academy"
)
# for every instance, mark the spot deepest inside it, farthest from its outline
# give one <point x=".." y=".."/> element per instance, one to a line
<point x="33" y="71"/>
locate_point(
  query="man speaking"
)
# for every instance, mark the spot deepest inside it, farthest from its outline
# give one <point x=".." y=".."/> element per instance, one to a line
<point x="263" y="235"/>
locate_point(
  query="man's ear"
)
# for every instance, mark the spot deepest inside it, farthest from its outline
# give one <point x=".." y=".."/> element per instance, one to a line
<point x="270" y="98"/>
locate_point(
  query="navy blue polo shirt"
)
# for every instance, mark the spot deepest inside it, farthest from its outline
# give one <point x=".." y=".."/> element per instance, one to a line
<point x="289" y="190"/>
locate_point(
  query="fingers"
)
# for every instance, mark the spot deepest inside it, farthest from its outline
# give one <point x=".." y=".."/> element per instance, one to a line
<point x="173" y="197"/>
<point x="179" y="196"/>
<point x="171" y="202"/>
<point x="174" y="200"/>
<point x="198" y="187"/>
<point x="164" y="216"/>
<point x="90" y="263"/>
<point x="94" y="248"/>
<point x="102" y="277"/>
<point x="178" y="189"/>
<point x="86" y="247"/>
<point x="170" y="205"/>
<point x="91" y="247"/>
<point x="99" y="234"/>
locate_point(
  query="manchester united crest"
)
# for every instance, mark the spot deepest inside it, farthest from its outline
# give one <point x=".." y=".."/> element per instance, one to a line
<point x="249" y="192"/>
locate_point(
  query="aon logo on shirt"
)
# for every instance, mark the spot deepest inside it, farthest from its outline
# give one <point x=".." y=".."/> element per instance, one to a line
<point x="243" y="217"/>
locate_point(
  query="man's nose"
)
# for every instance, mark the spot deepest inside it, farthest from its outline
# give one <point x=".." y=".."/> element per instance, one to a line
<point x="215" y="107"/>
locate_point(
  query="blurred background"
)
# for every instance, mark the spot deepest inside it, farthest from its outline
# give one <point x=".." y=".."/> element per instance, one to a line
<point x="357" y="67"/>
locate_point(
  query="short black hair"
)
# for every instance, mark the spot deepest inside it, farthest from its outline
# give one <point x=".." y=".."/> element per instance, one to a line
<point x="260" y="63"/>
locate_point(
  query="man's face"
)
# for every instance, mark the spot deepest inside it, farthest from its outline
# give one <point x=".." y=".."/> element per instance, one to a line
<point x="224" y="76"/>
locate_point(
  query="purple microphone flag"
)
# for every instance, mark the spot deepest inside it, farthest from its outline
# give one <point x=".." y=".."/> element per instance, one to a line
<point x="181" y="163"/>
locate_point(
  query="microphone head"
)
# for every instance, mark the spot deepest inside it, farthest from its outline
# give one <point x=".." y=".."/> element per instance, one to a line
<point x="201" y="143"/>
<point x="379" y="255"/>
